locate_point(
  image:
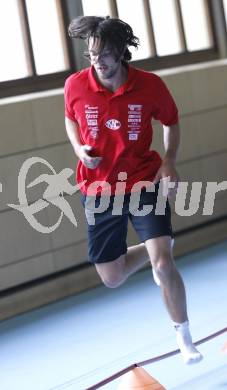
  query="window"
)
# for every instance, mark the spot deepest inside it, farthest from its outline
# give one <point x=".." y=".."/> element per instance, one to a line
<point x="180" y="29"/>
<point x="196" y="24"/>
<point x="36" y="52"/>
<point x="33" y="45"/>
<point x="11" y="36"/>
<point x="166" y="27"/>
<point x="225" y="9"/>
<point x="100" y="7"/>
<point x="140" y="29"/>
<point x="47" y="36"/>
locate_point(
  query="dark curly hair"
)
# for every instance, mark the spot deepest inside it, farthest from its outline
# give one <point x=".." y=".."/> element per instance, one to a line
<point x="112" y="32"/>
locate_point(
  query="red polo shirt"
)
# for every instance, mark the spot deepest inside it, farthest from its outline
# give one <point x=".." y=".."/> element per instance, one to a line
<point x="118" y="125"/>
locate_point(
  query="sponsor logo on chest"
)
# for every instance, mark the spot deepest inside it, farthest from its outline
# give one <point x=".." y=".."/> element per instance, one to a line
<point x="134" y="121"/>
<point x="91" y="115"/>
<point x="113" y="124"/>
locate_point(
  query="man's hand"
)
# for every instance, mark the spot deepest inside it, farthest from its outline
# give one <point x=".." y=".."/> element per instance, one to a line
<point x="168" y="174"/>
<point x="84" y="155"/>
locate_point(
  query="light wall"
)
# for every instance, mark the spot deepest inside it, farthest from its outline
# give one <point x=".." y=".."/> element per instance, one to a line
<point x="33" y="126"/>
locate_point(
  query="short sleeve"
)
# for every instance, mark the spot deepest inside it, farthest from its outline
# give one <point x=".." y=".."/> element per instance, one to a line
<point x="166" y="110"/>
<point x="69" y="112"/>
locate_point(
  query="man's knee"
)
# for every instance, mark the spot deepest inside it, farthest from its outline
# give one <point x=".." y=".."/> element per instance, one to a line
<point x="112" y="281"/>
<point x="161" y="257"/>
<point x="164" y="266"/>
<point x="113" y="273"/>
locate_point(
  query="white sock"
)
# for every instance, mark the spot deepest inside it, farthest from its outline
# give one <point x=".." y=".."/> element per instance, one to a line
<point x="184" y="340"/>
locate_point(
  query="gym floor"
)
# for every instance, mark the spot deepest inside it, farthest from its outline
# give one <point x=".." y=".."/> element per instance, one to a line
<point x="76" y="342"/>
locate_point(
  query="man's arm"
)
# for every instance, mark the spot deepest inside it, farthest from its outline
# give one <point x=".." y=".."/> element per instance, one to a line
<point x="171" y="138"/>
<point x="72" y="130"/>
<point x="82" y="151"/>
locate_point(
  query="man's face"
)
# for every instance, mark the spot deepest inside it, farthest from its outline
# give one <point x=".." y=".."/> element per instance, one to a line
<point x="105" y="63"/>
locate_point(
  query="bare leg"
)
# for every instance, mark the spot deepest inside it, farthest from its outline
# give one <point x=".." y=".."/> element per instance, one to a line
<point x="171" y="283"/>
<point x="173" y="291"/>
<point x="114" y="273"/>
<point x="135" y="258"/>
<point x="159" y="250"/>
<point x="172" y="286"/>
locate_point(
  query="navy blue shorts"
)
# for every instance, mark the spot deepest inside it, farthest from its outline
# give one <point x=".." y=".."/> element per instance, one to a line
<point x="107" y="230"/>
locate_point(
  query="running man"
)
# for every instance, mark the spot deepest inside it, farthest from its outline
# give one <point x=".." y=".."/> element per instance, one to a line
<point x="108" y="111"/>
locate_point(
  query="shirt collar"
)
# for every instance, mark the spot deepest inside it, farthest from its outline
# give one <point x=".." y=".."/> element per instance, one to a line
<point x="129" y="84"/>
